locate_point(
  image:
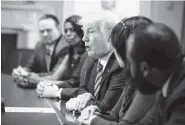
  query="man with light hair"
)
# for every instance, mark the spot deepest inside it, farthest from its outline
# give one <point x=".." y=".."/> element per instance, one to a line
<point x="102" y="79"/>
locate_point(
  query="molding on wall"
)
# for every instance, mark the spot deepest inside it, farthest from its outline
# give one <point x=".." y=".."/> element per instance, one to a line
<point x="22" y="19"/>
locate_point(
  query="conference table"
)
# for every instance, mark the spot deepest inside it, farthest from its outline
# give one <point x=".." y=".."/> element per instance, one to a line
<point x="23" y="107"/>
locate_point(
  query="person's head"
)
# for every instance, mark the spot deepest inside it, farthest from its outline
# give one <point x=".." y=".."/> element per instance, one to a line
<point x="97" y="28"/>
<point x="73" y="32"/>
<point x="49" y="28"/>
<point x="154" y="53"/>
<point x="121" y="32"/>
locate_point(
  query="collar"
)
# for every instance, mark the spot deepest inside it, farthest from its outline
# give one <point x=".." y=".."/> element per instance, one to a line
<point x="51" y="48"/>
<point x="165" y="86"/>
<point x="105" y="59"/>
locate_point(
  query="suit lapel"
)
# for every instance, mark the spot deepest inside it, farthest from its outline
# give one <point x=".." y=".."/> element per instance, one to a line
<point x="108" y="69"/>
<point x="43" y="52"/>
<point x="53" y="57"/>
<point x="90" y="64"/>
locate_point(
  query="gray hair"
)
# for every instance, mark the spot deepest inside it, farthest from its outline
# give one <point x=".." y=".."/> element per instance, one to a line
<point x="104" y="20"/>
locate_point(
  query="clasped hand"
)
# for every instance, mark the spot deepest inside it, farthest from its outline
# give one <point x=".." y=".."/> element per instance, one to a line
<point x="79" y="102"/>
<point x="88" y="114"/>
<point x="46" y="89"/>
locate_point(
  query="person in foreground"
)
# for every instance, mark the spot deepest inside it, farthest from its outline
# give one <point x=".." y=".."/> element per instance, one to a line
<point x="131" y="106"/>
<point x="158" y="65"/>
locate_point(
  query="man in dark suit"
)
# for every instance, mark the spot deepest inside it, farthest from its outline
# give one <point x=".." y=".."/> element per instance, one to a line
<point x="49" y="52"/>
<point x="156" y="63"/>
<point x="103" y="80"/>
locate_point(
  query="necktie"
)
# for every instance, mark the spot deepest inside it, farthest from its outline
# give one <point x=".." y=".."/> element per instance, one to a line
<point x="98" y="78"/>
<point x="48" y="58"/>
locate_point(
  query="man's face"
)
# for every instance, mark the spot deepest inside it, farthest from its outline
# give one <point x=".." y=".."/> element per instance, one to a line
<point x="96" y="43"/>
<point x="143" y="83"/>
<point x="48" y="30"/>
<point x="70" y="35"/>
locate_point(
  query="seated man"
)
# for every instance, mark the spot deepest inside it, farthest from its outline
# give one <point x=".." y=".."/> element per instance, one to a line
<point x="104" y="79"/>
<point x="161" y="68"/>
<point x="101" y="79"/>
<point x="131" y="107"/>
<point x="49" y="52"/>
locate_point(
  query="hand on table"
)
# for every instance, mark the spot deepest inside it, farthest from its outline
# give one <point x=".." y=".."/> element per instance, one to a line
<point x="45" y="89"/>
<point x="79" y="102"/>
<point x="19" y="73"/>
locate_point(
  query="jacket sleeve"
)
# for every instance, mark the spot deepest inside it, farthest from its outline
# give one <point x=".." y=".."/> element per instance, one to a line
<point x="140" y="105"/>
<point x="68" y="93"/>
<point x="61" y="66"/>
<point x="83" y="70"/>
<point x="176" y="107"/>
<point x="149" y="118"/>
<point x="100" y="121"/>
<point x="178" y="113"/>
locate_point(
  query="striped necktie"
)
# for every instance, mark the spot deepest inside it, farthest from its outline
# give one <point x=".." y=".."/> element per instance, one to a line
<point x="48" y="58"/>
<point x="98" y="78"/>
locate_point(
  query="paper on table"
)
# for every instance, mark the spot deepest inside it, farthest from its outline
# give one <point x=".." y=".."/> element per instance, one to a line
<point x="29" y="110"/>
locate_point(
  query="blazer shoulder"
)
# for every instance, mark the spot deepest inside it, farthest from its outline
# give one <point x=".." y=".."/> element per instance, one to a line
<point x="180" y="89"/>
<point x="62" y="45"/>
<point x="116" y="67"/>
<point x="39" y="44"/>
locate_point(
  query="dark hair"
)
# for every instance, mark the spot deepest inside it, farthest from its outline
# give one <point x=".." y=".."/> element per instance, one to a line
<point x="123" y="29"/>
<point x="50" y="16"/>
<point x="74" y="19"/>
<point x="158" y="45"/>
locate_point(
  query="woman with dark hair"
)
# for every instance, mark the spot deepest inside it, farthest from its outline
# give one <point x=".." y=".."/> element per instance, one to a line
<point x="68" y="73"/>
<point x="73" y="35"/>
<point x="131" y="106"/>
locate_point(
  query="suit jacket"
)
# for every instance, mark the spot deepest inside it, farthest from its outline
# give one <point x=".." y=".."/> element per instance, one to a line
<point x="114" y="79"/>
<point x="169" y="110"/>
<point x="38" y="62"/>
<point x="111" y="86"/>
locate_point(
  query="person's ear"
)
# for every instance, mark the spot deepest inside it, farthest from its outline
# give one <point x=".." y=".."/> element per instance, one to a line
<point x="145" y="69"/>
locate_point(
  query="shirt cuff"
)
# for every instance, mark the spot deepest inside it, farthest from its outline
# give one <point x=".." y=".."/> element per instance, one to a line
<point x="92" y="97"/>
<point x="59" y="93"/>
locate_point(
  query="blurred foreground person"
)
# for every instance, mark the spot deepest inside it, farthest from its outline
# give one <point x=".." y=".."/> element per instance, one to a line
<point x="156" y="63"/>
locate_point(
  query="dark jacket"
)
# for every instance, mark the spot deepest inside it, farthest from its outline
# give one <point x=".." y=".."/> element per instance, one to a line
<point x="169" y="110"/>
<point x="111" y="86"/>
<point x="38" y="62"/>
